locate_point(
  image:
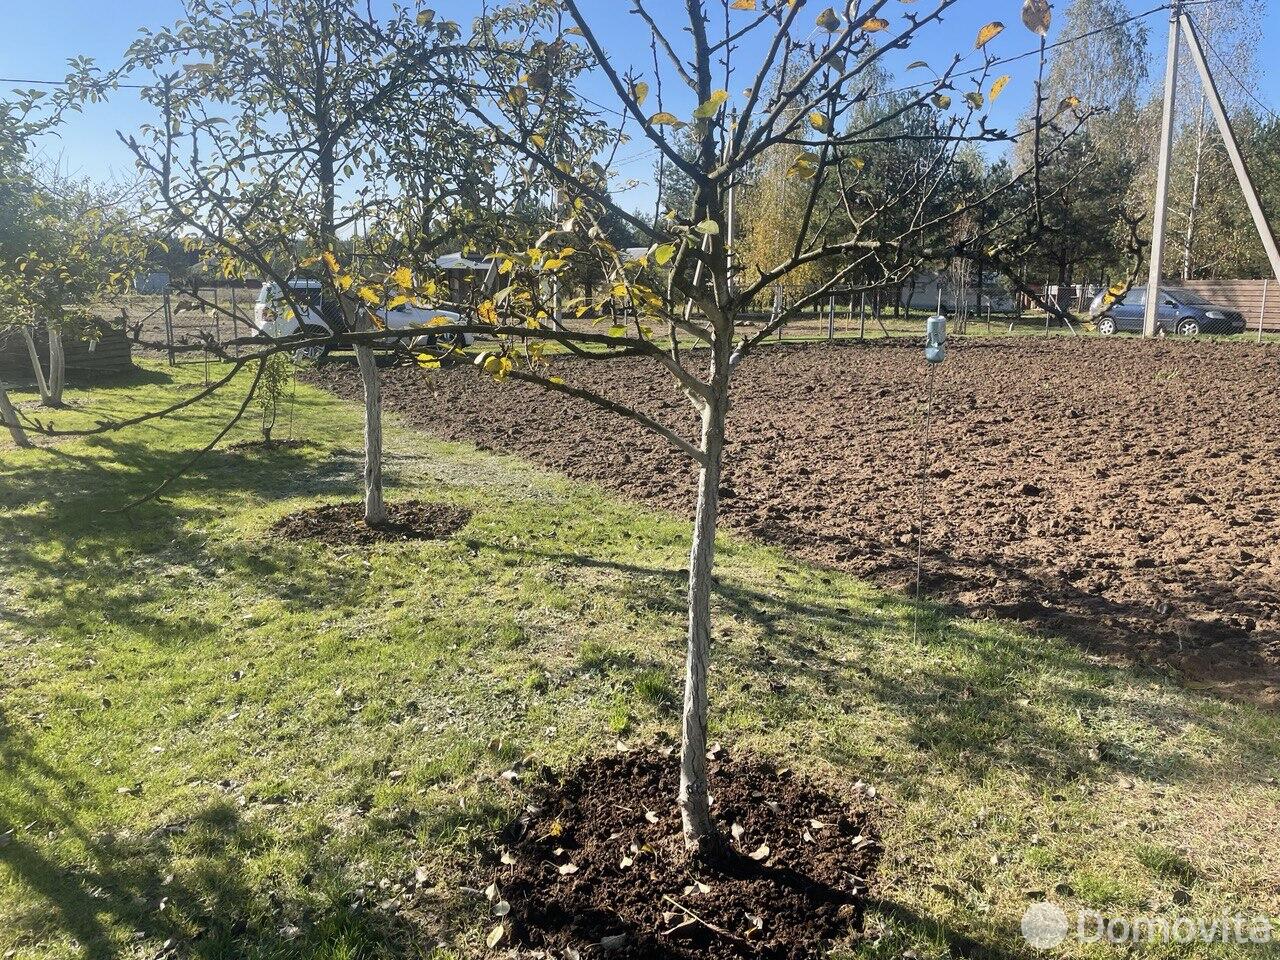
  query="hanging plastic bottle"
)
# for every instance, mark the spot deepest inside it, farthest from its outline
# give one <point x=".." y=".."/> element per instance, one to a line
<point x="935" y="339"/>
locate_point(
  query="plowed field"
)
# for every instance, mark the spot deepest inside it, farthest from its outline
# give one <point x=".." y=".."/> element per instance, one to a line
<point x="1123" y="493"/>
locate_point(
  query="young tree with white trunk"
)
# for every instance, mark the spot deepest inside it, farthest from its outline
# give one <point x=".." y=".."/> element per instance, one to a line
<point x="83" y="248"/>
<point x="280" y="129"/>
<point x="693" y="283"/>
<point x="690" y="286"/>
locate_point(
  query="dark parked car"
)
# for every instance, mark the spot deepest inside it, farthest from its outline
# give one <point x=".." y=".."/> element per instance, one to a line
<point x="1181" y="311"/>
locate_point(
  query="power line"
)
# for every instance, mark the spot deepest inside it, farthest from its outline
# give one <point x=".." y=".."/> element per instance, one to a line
<point x="1222" y="61"/>
<point x="64" y="83"/>
<point x="1000" y="61"/>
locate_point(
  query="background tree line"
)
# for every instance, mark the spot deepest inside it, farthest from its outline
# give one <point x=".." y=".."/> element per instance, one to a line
<point x="1098" y="223"/>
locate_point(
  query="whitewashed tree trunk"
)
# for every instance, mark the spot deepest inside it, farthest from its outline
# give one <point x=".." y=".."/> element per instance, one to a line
<point x="701" y="838"/>
<point x="10" y="417"/>
<point x="375" y="510"/>
<point x="42" y="385"/>
<point x="57" y="366"/>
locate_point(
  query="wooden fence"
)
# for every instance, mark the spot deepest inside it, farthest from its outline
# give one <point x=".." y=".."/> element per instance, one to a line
<point x="1254" y="298"/>
<point x="109" y="354"/>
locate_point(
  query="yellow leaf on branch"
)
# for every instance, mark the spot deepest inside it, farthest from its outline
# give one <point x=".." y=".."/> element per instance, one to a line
<point x="708" y="108"/>
<point x="989" y="33"/>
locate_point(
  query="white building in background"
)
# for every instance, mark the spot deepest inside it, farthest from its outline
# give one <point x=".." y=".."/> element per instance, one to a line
<point x="920" y="293"/>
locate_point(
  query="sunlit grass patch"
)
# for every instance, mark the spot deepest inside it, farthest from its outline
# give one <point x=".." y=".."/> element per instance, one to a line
<point x="299" y="749"/>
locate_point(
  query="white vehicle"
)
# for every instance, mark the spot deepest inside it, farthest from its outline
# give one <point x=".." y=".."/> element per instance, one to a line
<point x="322" y="316"/>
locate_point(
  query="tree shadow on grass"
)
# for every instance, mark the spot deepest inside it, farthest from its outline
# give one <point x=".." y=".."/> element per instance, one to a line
<point x="959" y="700"/>
<point x="23" y="379"/>
<point x="55" y="519"/>
<point x="180" y="889"/>
<point x="922" y="928"/>
<point x="119" y="470"/>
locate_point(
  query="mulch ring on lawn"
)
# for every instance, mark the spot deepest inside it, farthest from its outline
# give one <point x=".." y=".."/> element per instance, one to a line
<point x="342" y="524"/>
<point x="597" y="865"/>
<point x="268" y="446"/>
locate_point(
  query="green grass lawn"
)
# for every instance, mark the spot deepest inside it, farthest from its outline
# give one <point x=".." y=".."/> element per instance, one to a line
<point x="240" y="747"/>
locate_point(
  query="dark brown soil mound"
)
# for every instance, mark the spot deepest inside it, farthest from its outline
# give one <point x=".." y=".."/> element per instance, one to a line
<point x="267" y="446"/>
<point x="598" y="865"/>
<point x="342" y="524"/>
<point x="1115" y="491"/>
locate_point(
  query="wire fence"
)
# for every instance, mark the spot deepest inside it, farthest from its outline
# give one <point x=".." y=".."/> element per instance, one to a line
<point x="179" y="324"/>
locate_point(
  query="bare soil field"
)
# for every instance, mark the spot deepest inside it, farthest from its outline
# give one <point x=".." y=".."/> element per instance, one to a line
<point x="1123" y="493"/>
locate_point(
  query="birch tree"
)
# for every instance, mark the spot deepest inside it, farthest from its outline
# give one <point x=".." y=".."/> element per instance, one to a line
<point x="1203" y="173"/>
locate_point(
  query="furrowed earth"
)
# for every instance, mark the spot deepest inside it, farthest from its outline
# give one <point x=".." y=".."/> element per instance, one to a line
<point x="1118" y="492"/>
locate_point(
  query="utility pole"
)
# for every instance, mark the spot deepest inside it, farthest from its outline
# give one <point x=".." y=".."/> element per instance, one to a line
<point x="1162" y="177"/>
<point x="1233" y="148"/>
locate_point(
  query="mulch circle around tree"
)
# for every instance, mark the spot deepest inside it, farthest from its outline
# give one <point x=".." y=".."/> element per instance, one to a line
<point x="342" y="524"/>
<point x="267" y="446"/>
<point x="595" y="866"/>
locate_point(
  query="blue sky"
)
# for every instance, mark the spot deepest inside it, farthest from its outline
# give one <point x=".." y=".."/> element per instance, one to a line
<point x="38" y="38"/>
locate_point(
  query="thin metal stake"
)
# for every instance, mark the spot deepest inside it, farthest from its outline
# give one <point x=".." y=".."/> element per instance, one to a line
<point x="1262" y="313"/>
<point x="924" y="472"/>
<point x="235" y="318"/>
<point x="168" y="329"/>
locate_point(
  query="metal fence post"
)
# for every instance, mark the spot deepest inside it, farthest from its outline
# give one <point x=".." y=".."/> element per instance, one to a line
<point x="168" y="330"/>
<point x="862" y="319"/>
<point x="235" y="317"/>
<point x="831" y="320"/>
<point x="217" y="319"/>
